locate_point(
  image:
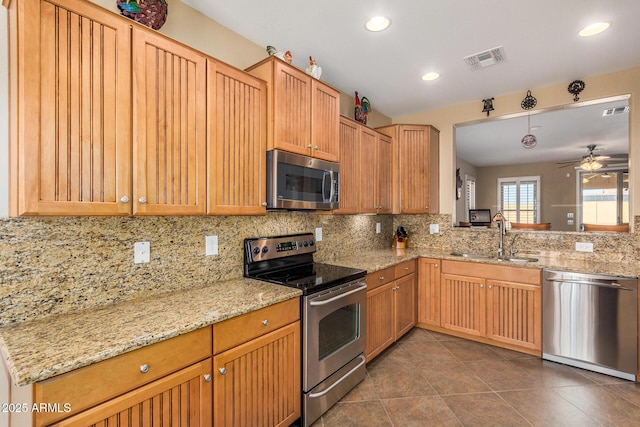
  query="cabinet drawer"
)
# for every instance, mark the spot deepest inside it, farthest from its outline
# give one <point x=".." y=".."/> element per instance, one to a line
<point x="241" y="329"/>
<point x="405" y="268"/>
<point x="93" y="384"/>
<point x="381" y="277"/>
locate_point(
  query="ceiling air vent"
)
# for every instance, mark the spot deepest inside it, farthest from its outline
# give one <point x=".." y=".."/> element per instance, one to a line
<point x="615" y="110"/>
<point x="486" y="58"/>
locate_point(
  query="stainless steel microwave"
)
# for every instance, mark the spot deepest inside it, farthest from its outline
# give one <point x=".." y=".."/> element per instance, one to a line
<point x="301" y="182"/>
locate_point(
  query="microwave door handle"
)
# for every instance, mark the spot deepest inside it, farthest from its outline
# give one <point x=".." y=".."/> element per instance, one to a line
<point x="326" y="174"/>
<point x="332" y="193"/>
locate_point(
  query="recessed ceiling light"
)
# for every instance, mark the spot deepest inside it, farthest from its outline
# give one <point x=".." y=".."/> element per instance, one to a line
<point x="430" y="76"/>
<point x="593" y="29"/>
<point x="378" y="23"/>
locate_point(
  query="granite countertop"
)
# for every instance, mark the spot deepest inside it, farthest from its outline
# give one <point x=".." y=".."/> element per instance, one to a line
<point x="37" y="350"/>
<point x="40" y="349"/>
<point x="379" y="259"/>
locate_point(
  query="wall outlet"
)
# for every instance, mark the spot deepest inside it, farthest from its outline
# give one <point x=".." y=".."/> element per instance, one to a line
<point x="569" y="214"/>
<point x="211" y="245"/>
<point x="434" y="228"/>
<point x="141" y="252"/>
<point x="569" y="222"/>
<point x="378" y="228"/>
<point x="584" y="247"/>
<point x="318" y="234"/>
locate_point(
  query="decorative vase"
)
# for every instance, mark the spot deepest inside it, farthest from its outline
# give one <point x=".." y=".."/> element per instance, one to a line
<point x="152" y="13"/>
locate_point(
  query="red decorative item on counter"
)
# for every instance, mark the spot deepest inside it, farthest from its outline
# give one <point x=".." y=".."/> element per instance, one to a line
<point x="152" y="13"/>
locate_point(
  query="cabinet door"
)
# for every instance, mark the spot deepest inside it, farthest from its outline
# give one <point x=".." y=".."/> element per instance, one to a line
<point x="383" y="169"/>
<point x="429" y="291"/>
<point x="514" y="313"/>
<point x="258" y="383"/>
<point x="380" y="319"/>
<point x="169" y="127"/>
<point x="181" y="399"/>
<point x="349" y="167"/>
<point x="292" y="109"/>
<point x="463" y="304"/>
<point x="237" y="141"/>
<point x="405" y="305"/>
<point x="414" y="159"/>
<point x="325" y="121"/>
<point x="71" y="94"/>
<point x="368" y="171"/>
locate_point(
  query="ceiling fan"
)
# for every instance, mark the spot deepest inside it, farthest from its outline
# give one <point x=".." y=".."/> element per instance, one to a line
<point x="592" y="162"/>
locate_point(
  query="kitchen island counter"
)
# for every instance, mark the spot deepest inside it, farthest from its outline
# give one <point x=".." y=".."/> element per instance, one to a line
<point x="40" y="349"/>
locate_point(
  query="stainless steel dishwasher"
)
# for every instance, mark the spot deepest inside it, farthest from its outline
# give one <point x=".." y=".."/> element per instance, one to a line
<point x="591" y="321"/>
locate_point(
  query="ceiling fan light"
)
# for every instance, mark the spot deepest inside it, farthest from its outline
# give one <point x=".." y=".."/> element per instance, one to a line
<point x="593" y="165"/>
<point x="529" y="141"/>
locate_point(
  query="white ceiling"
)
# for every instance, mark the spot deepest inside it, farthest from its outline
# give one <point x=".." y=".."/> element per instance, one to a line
<point x="539" y="38"/>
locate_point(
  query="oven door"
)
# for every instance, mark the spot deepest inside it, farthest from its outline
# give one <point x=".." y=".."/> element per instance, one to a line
<point x="301" y="182"/>
<point x="334" y="331"/>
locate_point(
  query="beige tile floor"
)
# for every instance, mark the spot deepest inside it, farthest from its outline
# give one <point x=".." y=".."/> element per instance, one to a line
<point x="431" y="379"/>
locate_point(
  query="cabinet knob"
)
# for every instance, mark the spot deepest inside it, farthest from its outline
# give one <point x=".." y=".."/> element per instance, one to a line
<point x="142" y="200"/>
<point x="124" y="199"/>
<point x="265" y="322"/>
<point x="144" y="368"/>
<point x="316" y="148"/>
<point x="406" y="268"/>
<point x="207" y="377"/>
<point x="490" y="286"/>
<point x="435" y="266"/>
<point x="381" y="277"/>
<point x="481" y="286"/>
<point x="426" y="208"/>
<point x="264" y="204"/>
<point x="309" y="146"/>
<point x="222" y="371"/>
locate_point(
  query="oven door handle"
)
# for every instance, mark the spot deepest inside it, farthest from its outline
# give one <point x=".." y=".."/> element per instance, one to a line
<point x="337" y="297"/>
<point x="322" y="393"/>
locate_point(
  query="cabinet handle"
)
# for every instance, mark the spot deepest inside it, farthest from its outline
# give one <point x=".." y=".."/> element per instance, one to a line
<point x="124" y="199"/>
<point x="406" y="268"/>
<point x="265" y="322"/>
<point x="144" y="368"/>
<point x="222" y="371"/>
<point x="142" y="200"/>
<point x="207" y="377"/>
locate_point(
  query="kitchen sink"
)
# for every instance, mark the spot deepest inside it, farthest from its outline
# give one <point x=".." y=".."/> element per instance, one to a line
<point x="517" y="259"/>
<point x="471" y="255"/>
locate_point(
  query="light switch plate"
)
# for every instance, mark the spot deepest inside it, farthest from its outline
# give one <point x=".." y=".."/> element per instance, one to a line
<point x="378" y="228"/>
<point x="211" y="245"/>
<point x="141" y="252"/>
<point x="584" y="247"/>
<point x="434" y="228"/>
<point x="318" y="234"/>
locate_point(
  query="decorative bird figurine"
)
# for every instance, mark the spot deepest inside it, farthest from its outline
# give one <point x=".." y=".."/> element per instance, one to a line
<point x="362" y="109"/>
<point x="313" y="69"/>
<point x="152" y="13"/>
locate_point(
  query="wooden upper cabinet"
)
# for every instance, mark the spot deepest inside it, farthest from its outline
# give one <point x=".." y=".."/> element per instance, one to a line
<point x="349" y="167"/>
<point x="169" y="126"/>
<point x="304" y="113"/>
<point x="325" y="121"/>
<point x="70" y="122"/>
<point x="383" y="169"/>
<point x="368" y="171"/>
<point x="237" y="141"/>
<point x="415" y="168"/>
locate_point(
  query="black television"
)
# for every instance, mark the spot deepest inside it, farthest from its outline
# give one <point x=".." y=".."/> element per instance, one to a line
<point x="479" y="217"/>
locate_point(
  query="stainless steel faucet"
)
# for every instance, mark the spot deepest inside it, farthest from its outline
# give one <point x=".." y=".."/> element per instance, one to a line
<point x="499" y="218"/>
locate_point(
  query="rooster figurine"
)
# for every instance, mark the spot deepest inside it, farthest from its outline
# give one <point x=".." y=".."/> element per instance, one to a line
<point x="152" y="13"/>
<point x="362" y="109"/>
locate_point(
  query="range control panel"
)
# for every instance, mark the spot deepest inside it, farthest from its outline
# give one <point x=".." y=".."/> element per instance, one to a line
<point x="266" y="248"/>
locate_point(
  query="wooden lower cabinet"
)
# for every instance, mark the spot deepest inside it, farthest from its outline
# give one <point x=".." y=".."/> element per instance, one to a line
<point x="179" y="399"/>
<point x="429" y="291"/>
<point x="391" y="306"/>
<point x="258" y="383"/>
<point x="500" y="305"/>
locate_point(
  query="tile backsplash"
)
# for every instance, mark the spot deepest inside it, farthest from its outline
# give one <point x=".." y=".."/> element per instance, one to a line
<point x="57" y="265"/>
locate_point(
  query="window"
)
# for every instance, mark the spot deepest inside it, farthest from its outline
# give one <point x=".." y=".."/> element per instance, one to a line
<point x="519" y="199"/>
<point x="604" y="197"/>
<point x="470" y="194"/>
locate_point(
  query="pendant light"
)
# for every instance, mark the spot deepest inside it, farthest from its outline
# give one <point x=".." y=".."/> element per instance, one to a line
<point x="529" y="141"/>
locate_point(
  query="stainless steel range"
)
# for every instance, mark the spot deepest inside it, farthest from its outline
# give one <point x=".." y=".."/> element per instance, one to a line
<point x="333" y="309"/>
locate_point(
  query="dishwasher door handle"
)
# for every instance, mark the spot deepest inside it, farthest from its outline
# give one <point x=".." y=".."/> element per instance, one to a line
<point x="604" y="284"/>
